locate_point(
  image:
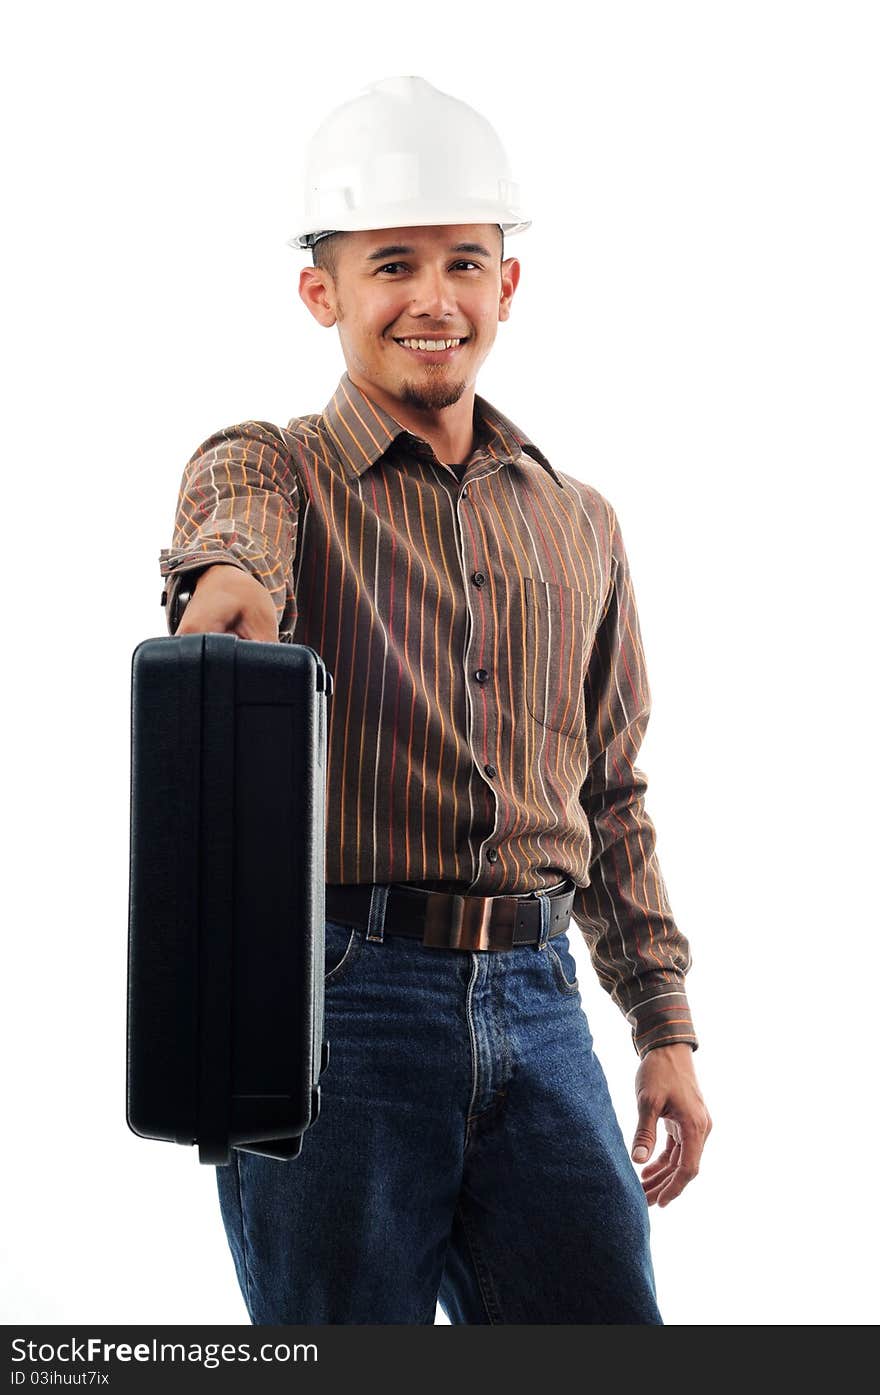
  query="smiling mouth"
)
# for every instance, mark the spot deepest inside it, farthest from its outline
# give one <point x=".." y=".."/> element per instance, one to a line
<point x="436" y="355"/>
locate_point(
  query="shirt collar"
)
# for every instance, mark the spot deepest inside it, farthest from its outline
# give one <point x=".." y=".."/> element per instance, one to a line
<point x="363" y="431"/>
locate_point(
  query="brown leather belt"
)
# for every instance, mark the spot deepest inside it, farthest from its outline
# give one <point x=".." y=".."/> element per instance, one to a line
<point x="454" y="920"/>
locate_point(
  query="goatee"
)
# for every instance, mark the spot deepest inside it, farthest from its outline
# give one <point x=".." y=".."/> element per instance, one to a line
<point x="430" y="397"/>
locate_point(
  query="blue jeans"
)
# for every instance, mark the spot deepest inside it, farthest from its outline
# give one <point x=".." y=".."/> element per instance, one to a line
<point x="466" y="1150"/>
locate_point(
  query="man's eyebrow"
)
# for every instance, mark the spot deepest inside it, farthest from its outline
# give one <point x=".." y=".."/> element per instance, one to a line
<point x="397" y="250"/>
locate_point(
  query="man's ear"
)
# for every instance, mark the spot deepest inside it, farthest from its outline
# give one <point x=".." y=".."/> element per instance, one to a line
<point x="510" y="270"/>
<point x="317" y="294"/>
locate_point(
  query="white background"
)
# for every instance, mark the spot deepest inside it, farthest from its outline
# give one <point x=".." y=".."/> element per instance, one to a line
<point x="698" y="308"/>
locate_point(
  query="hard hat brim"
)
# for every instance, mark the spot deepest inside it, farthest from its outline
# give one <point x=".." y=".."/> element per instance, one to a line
<point x="402" y="217"/>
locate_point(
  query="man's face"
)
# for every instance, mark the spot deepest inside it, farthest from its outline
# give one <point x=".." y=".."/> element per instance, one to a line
<point x="394" y="284"/>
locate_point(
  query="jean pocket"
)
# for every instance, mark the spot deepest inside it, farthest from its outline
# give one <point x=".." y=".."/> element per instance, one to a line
<point x="557" y="620"/>
<point x="563" y="964"/>
<point x="342" y="945"/>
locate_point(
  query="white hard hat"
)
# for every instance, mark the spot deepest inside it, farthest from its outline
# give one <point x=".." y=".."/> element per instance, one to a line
<point x="404" y="154"/>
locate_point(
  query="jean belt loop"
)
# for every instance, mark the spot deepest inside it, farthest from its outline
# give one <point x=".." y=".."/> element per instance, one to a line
<point x="376" y="922"/>
<point x="544" y="901"/>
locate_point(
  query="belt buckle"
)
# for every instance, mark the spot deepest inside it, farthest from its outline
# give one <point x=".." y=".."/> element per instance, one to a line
<point x="467" y="924"/>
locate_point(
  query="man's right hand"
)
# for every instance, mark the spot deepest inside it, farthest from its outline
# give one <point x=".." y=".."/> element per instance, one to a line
<point x="228" y="599"/>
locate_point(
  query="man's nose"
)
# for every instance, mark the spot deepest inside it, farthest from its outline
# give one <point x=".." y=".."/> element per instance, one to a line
<point x="433" y="294"/>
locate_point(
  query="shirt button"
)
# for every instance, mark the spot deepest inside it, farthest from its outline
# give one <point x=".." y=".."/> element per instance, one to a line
<point x="479" y="579"/>
<point x="492" y="855"/>
<point x="482" y="675"/>
<point x="464" y="492"/>
<point x="490" y="770"/>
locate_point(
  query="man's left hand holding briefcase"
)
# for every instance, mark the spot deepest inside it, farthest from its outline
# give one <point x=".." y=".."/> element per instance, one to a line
<point x="226" y="890"/>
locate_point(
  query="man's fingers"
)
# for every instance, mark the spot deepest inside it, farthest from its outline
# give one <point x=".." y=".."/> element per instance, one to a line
<point x="653" y="1188"/>
<point x="207" y="619"/>
<point x="692" y="1140"/>
<point x="661" y="1163"/>
<point x="657" y="1173"/>
<point x="646" y="1133"/>
<point x="261" y="632"/>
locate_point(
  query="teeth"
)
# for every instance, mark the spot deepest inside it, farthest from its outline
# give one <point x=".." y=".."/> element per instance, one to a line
<point x="432" y="344"/>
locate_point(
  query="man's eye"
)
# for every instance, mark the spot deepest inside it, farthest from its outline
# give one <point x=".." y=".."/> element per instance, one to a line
<point x="389" y="265"/>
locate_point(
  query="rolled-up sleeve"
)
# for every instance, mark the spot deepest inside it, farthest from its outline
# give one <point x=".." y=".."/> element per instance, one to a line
<point x="639" y="954"/>
<point x="238" y="503"/>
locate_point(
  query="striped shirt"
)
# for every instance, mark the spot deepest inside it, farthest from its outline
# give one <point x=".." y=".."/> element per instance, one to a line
<point x="490" y="692"/>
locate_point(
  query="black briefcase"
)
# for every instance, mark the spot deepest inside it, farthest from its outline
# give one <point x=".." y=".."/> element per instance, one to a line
<point x="225" y="1018"/>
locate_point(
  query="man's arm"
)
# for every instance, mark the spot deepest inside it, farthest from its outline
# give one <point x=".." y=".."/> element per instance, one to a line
<point x="639" y="954"/>
<point x="238" y="505"/>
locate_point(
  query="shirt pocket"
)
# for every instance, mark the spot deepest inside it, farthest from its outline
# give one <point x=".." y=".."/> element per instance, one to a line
<point x="557" y="619"/>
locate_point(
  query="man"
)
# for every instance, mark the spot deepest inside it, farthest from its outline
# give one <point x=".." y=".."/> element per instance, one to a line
<point x="475" y="607"/>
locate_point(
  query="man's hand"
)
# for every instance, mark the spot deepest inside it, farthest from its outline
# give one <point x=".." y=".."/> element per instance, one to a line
<point x="226" y="598"/>
<point x="666" y="1087"/>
